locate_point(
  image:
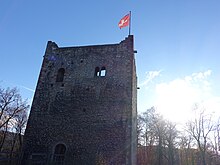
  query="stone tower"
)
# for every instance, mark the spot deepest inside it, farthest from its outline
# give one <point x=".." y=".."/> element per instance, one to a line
<point x="84" y="108"/>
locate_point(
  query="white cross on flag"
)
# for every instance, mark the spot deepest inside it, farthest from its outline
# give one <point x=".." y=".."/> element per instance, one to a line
<point x="124" y="21"/>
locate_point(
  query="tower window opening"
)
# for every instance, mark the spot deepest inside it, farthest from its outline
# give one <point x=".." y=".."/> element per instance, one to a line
<point x="59" y="154"/>
<point x="97" y="71"/>
<point x="103" y="72"/>
<point x="60" y="75"/>
<point x="100" y="73"/>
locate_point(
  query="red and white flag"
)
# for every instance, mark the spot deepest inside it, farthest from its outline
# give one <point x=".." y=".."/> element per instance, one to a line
<point x="124" y="21"/>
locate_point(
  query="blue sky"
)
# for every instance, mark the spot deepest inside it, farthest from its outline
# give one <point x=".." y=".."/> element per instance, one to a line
<point x="178" y="43"/>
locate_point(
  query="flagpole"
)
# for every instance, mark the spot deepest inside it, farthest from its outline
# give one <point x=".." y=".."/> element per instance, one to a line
<point x="129" y="24"/>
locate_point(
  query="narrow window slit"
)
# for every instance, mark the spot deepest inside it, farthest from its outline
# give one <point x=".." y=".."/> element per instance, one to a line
<point x="60" y="75"/>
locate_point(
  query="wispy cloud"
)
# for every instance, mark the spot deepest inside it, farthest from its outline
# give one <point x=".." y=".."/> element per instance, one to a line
<point x="150" y="75"/>
<point x="29" y="89"/>
<point x="16" y="85"/>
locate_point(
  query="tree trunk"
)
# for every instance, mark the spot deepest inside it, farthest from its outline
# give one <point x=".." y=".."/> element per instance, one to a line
<point x="203" y="157"/>
<point x="12" y="148"/>
<point x="160" y="152"/>
<point x="4" y="136"/>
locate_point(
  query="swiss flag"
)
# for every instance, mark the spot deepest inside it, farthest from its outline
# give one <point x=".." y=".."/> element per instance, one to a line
<point x="124" y="21"/>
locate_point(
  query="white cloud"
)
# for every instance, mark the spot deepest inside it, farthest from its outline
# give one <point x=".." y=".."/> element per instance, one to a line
<point x="201" y="75"/>
<point x="175" y="99"/>
<point x="212" y="105"/>
<point x="150" y="75"/>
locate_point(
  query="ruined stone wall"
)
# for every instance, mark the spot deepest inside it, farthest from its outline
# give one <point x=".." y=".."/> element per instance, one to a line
<point x="90" y="109"/>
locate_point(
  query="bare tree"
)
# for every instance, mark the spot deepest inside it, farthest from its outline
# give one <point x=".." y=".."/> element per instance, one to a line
<point x="146" y="135"/>
<point x="18" y="123"/>
<point x="13" y="116"/>
<point x="157" y="137"/>
<point x="160" y="130"/>
<point x="186" y="151"/>
<point x="146" y="123"/>
<point x="160" y="142"/>
<point x="215" y="144"/>
<point x="170" y="138"/>
<point x="199" y="128"/>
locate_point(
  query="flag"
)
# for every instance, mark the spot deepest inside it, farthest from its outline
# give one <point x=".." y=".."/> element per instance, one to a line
<point x="124" y="21"/>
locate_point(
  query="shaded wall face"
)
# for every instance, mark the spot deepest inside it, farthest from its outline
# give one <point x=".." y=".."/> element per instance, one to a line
<point x="84" y="100"/>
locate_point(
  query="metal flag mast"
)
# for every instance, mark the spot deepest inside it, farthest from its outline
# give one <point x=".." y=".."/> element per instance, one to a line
<point x="129" y="32"/>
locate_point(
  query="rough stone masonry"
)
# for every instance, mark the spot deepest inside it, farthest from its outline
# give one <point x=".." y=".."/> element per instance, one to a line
<point x="85" y="107"/>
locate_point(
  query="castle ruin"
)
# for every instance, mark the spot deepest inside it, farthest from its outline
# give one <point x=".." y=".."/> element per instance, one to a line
<point x="85" y="107"/>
